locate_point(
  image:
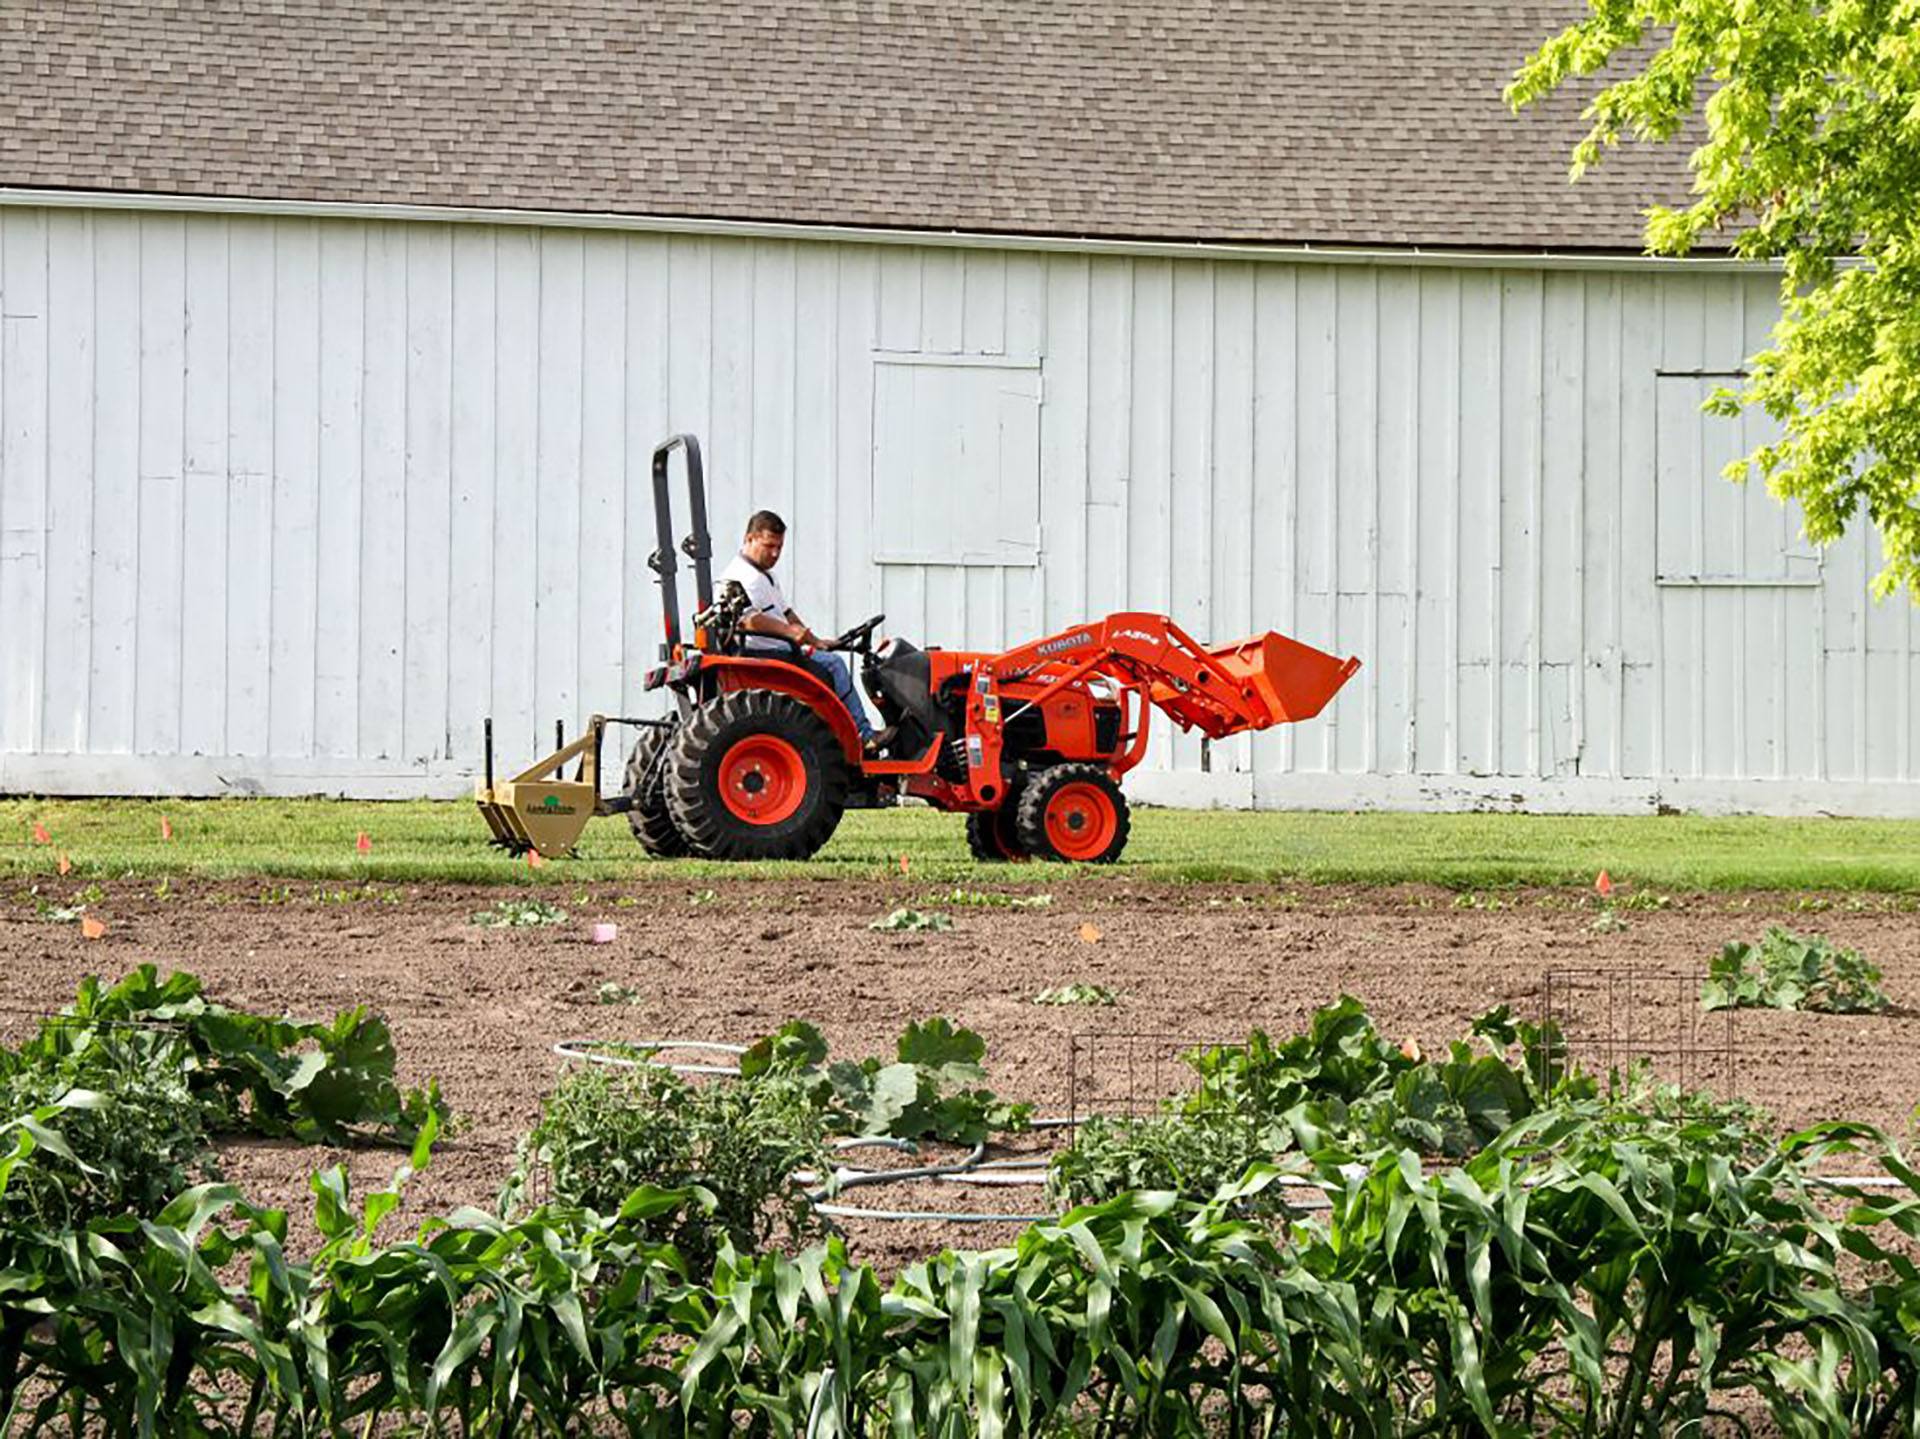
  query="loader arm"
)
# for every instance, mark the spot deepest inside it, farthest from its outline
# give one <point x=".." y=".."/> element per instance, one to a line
<point x="1250" y="684"/>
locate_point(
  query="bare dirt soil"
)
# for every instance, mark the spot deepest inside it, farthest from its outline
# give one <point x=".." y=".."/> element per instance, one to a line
<point x="482" y="1008"/>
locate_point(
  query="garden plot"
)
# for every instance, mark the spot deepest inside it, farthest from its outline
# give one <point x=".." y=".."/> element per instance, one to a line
<point x="483" y="994"/>
<point x="480" y="1005"/>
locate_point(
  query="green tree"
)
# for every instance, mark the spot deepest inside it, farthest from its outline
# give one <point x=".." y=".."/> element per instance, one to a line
<point x="1812" y="160"/>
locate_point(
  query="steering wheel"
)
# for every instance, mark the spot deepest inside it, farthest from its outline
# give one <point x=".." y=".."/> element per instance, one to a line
<point x="860" y="637"/>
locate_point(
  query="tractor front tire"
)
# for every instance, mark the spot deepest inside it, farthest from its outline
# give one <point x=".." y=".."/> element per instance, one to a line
<point x="993" y="834"/>
<point x="650" y="819"/>
<point x="756" y="775"/>
<point x="1073" y="812"/>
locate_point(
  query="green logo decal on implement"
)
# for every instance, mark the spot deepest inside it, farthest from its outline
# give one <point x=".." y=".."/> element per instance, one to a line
<point x="551" y="804"/>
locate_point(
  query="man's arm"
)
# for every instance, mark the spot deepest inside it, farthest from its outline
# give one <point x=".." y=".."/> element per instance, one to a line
<point x="791" y="629"/>
<point x="811" y="638"/>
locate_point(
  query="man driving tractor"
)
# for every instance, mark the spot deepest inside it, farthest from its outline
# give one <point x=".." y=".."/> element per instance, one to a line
<point x="772" y="627"/>
<point x="754" y="759"/>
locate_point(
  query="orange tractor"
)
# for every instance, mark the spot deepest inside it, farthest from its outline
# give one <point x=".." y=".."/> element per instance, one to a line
<point x="759" y="758"/>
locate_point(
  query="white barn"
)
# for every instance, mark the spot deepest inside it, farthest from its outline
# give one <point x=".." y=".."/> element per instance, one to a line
<point x="326" y="403"/>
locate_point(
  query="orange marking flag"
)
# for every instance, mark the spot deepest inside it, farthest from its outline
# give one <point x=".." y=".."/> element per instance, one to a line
<point x="65" y="864"/>
<point x="91" y="928"/>
<point x="40" y="835"/>
<point x="166" y="827"/>
<point x="1604" y="885"/>
<point x="1089" y="934"/>
<point x="363" y="844"/>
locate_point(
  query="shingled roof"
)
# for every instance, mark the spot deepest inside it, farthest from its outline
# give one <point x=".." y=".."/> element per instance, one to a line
<point x="1375" y="122"/>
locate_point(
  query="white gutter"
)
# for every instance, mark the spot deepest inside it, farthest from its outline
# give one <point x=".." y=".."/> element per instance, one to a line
<point x="868" y="235"/>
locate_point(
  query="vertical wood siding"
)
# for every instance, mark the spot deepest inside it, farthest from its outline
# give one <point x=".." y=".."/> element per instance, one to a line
<point x="291" y="504"/>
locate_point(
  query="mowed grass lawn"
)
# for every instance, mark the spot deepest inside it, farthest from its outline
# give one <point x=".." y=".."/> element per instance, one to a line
<point x="419" y="841"/>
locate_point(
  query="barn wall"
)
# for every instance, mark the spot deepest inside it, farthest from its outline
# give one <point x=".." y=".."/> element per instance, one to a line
<point x="291" y="504"/>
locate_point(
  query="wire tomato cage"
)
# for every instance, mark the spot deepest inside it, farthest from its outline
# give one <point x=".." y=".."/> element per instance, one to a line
<point x="1611" y="1022"/>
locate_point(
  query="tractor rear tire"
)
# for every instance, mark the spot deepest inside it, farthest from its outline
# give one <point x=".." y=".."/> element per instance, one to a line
<point x="755" y="774"/>
<point x="993" y="834"/>
<point x="1075" y="813"/>
<point x="650" y="819"/>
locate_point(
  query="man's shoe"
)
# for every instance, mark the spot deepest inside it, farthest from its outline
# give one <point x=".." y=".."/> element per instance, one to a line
<point x="880" y="741"/>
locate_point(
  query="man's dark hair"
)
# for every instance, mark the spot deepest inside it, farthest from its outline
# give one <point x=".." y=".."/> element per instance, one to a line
<point x="766" y="522"/>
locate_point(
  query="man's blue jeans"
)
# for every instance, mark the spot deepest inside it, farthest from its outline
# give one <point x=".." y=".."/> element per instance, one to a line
<point x="833" y="669"/>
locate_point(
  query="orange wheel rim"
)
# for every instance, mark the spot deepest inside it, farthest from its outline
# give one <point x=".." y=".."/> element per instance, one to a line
<point x="1081" y="821"/>
<point x="763" y="779"/>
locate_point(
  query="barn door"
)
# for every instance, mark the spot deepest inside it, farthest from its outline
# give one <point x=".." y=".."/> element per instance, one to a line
<point x="956" y="496"/>
<point x="1737" y="587"/>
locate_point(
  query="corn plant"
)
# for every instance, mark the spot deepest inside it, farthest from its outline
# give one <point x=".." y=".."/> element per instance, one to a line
<point x="1591" y="1271"/>
<point x="126" y="1328"/>
<point x="1637" y="1263"/>
<point x="1597" y="1271"/>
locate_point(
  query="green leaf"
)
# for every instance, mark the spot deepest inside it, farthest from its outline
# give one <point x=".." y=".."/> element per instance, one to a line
<point x="895" y="1089"/>
<point x="794" y="1046"/>
<point x="935" y="1042"/>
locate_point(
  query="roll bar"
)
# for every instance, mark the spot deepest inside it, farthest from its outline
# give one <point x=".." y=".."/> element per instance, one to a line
<point x="696" y="546"/>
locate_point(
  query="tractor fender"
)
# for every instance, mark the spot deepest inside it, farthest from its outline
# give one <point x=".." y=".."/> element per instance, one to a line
<point x="744" y="672"/>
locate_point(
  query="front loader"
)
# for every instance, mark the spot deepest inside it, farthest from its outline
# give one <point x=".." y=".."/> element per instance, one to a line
<point x="758" y="758"/>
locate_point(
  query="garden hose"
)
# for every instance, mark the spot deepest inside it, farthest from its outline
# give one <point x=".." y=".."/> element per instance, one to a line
<point x="930" y="1216"/>
<point x="853" y="1178"/>
<point x="580" y="1051"/>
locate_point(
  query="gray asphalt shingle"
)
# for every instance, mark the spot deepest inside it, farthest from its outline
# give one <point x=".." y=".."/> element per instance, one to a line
<point x="1377" y="122"/>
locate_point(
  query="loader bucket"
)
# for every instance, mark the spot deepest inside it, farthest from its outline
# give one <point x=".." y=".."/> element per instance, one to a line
<point x="1291" y="681"/>
<point x="543" y="815"/>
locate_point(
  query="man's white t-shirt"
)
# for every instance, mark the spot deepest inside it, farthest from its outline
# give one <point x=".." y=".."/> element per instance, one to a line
<point x="763" y="597"/>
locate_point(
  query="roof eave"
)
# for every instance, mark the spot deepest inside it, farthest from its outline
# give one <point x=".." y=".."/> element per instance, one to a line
<point x="1297" y="252"/>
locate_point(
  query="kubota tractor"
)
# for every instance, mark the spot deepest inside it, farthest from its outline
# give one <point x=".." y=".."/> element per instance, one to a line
<point x="759" y="758"/>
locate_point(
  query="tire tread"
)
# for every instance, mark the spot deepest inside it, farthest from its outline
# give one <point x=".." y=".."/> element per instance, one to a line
<point x="710" y="831"/>
<point x="650" y="819"/>
<point x="1030" y="822"/>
